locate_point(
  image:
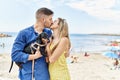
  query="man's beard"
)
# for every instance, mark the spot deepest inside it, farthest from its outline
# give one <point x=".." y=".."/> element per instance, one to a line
<point x="47" y="25"/>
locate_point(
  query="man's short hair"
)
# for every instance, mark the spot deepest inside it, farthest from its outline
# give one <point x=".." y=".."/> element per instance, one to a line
<point x="43" y="11"/>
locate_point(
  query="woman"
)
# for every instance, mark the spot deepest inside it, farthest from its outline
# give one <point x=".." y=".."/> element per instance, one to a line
<point x="58" y="51"/>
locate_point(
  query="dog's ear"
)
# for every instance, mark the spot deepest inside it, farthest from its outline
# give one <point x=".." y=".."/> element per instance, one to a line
<point x="39" y="37"/>
<point x="44" y="35"/>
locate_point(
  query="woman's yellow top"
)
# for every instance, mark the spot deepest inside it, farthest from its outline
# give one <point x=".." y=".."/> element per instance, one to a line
<point x="59" y="70"/>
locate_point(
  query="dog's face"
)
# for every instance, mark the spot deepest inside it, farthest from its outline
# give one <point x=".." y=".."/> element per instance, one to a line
<point x="43" y="38"/>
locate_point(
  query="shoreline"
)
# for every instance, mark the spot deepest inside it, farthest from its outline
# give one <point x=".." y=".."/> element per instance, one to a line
<point x="105" y="34"/>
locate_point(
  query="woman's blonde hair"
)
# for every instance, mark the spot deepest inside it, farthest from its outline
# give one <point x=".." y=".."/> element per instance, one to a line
<point x="63" y="29"/>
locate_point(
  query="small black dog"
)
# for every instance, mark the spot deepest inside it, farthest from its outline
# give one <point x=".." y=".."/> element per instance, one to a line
<point x="31" y="48"/>
<point x="41" y="42"/>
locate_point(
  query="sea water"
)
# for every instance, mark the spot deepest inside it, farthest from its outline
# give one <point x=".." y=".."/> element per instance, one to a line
<point x="79" y="42"/>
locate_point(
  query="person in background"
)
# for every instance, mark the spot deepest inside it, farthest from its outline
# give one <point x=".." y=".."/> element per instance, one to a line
<point x="116" y="64"/>
<point x="86" y="54"/>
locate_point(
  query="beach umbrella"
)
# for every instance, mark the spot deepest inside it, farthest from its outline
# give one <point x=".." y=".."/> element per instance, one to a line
<point x="114" y="48"/>
<point x="114" y="44"/>
<point x="111" y="54"/>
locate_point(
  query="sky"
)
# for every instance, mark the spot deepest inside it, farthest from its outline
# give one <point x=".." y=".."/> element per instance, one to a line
<point x="83" y="16"/>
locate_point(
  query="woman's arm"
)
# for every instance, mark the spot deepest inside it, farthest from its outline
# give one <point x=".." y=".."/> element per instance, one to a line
<point x="48" y="49"/>
<point x="68" y="52"/>
<point x="59" y="50"/>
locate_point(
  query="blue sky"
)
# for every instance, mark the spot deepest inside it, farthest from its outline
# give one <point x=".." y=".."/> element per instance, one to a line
<point x="83" y="16"/>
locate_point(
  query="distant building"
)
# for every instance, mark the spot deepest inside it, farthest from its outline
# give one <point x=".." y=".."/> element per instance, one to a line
<point x="5" y="35"/>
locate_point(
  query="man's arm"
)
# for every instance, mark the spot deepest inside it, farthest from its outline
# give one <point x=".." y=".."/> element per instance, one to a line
<point x="17" y="51"/>
<point x="35" y="56"/>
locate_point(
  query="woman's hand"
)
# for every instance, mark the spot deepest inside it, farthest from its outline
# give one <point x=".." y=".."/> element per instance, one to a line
<point x="48" y="49"/>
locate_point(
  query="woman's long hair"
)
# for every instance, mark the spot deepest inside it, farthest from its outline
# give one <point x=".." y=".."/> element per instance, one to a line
<point x="63" y="29"/>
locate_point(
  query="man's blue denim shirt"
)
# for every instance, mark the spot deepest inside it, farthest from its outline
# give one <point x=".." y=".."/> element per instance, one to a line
<point x="41" y="67"/>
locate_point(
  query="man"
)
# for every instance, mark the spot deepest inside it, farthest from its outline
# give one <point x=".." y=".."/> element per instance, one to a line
<point x="26" y="36"/>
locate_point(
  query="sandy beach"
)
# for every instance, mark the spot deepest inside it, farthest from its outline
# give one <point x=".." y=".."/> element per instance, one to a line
<point x="93" y="67"/>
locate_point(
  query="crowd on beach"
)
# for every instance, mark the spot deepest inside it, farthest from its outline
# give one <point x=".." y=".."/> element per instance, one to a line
<point x="114" y="53"/>
<point x="75" y="58"/>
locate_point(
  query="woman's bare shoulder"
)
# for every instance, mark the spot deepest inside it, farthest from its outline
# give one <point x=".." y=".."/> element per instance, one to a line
<point x="64" y="39"/>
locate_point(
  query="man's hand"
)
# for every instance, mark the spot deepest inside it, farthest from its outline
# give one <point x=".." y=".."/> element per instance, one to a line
<point x="37" y="54"/>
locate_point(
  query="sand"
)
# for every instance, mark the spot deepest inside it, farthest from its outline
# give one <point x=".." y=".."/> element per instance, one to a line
<point x="93" y="67"/>
<point x="5" y="63"/>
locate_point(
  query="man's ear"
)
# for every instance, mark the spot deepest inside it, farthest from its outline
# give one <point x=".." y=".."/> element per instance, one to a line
<point x="44" y="20"/>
